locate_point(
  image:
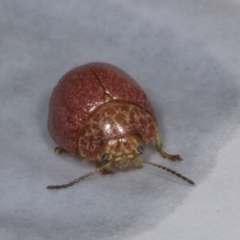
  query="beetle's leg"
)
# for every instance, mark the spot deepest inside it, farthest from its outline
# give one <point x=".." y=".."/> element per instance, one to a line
<point x="104" y="171"/>
<point x="60" y="150"/>
<point x="159" y="147"/>
<point x="138" y="162"/>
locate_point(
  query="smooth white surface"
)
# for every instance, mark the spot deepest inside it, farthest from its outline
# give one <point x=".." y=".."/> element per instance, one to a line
<point x="211" y="212"/>
<point x="186" y="55"/>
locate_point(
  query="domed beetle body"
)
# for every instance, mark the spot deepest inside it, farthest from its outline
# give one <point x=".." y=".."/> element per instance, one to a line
<point x="102" y="112"/>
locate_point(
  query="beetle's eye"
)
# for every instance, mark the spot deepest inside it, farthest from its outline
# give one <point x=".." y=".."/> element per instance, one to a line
<point x="140" y="149"/>
<point x="105" y="157"/>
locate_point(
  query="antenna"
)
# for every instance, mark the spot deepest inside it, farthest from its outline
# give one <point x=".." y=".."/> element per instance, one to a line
<point x="170" y="171"/>
<point x="75" y="180"/>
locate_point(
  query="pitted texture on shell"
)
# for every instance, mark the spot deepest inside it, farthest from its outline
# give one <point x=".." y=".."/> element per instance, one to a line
<point x="114" y="120"/>
<point x="76" y="95"/>
<point x="121" y="86"/>
<point x="81" y="91"/>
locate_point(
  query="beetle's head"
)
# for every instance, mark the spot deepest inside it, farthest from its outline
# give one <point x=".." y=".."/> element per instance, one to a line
<point x="123" y="152"/>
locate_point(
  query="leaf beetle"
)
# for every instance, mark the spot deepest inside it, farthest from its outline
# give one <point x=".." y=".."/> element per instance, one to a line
<point x="100" y="111"/>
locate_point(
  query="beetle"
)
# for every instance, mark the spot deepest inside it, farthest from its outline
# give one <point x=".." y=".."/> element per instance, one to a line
<point x="100" y="111"/>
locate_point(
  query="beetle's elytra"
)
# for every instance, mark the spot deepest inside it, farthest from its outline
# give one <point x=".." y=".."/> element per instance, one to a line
<point x="100" y="111"/>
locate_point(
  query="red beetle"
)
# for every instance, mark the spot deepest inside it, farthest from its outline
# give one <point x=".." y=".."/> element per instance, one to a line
<point x="102" y="112"/>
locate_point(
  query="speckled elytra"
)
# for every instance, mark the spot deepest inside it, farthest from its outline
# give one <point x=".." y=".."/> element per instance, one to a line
<point x="100" y="111"/>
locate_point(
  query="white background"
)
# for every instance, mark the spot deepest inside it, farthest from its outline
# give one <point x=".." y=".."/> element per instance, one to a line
<point x="186" y="55"/>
